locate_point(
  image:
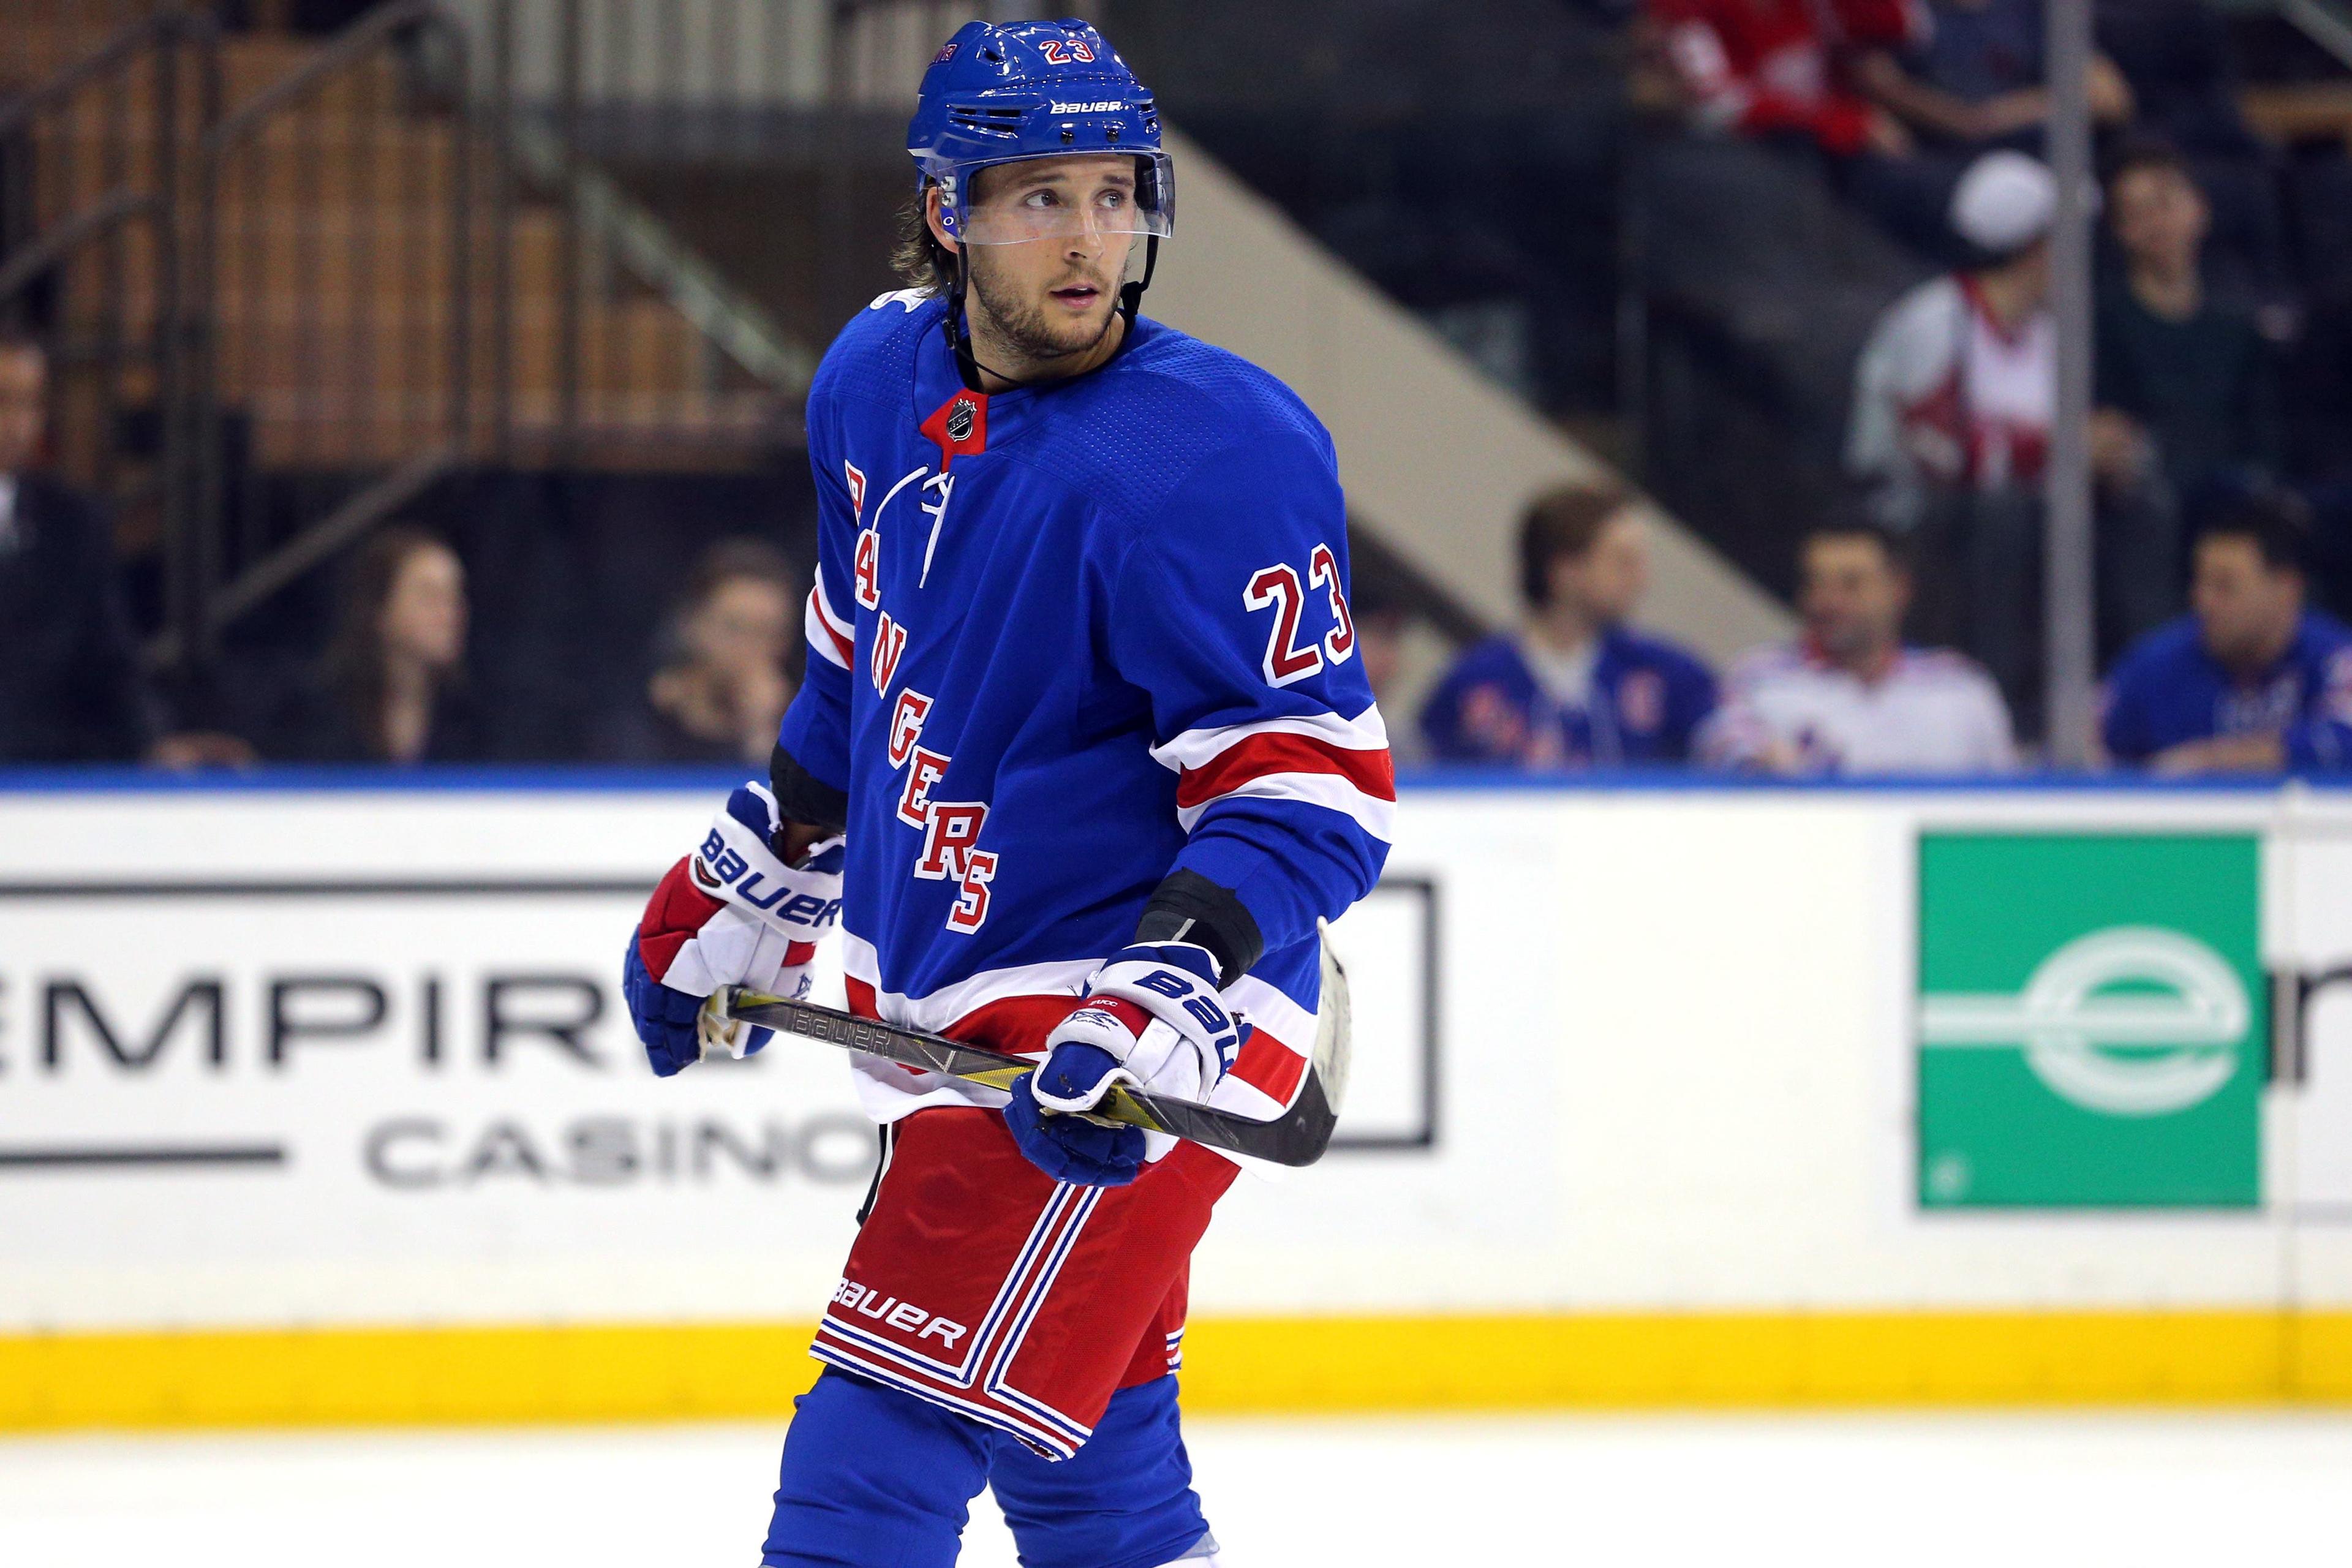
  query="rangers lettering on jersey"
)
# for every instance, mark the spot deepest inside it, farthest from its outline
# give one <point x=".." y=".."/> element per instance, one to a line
<point x="1115" y="643"/>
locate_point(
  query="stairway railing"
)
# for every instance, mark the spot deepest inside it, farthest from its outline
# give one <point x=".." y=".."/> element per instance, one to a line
<point x="333" y="276"/>
<point x="132" y="352"/>
<point x="377" y="317"/>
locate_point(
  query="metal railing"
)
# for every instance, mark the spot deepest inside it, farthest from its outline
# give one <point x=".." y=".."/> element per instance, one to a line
<point x="401" y="254"/>
<point x="568" y="80"/>
<point x="336" y="270"/>
<point x="97" y="178"/>
<point x="611" y="256"/>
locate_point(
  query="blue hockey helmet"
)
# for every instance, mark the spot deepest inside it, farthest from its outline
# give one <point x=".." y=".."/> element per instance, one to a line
<point x="1002" y="93"/>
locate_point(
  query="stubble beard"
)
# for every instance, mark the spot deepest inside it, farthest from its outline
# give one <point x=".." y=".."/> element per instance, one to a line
<point x="1025" y="327"/>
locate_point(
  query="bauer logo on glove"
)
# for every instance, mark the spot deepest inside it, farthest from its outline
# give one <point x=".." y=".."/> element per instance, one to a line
<point x="732" y="913"/>
<point x="737" y="862"/>
<point x="1151" y="1017"/>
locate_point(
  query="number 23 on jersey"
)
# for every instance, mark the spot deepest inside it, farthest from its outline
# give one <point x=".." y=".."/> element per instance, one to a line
<point x="1277" y="588"/>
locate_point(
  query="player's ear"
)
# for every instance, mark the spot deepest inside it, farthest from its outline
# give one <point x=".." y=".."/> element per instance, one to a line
<point x="932" y="218"/>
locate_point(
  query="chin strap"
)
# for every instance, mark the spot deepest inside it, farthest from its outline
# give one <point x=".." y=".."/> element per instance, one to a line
<point x="959" y="329"/>
<point x="1131" y="295"/>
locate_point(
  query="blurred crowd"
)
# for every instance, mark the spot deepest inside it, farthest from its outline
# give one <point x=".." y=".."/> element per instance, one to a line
<point x="391" y="683"/>
<point x="2220" y="442"/>
<point x="2249" y="678"/>
<point x="2223" y="306"/>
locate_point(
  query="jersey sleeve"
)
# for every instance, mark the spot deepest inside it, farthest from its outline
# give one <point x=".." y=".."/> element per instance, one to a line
<point x="814" y="735"/>
<point x="1441" y="718"/>
<point x="1736" y="734"/>
<point x="2127" y="726"/>
<point x="2321" y="741"/>
<point x="1229" y="610"/>
<point x="1908" y="353"/>
<point x="1997" y="741"/>
<point x="1470" y="717"/>
<point x="1691" y="698"/>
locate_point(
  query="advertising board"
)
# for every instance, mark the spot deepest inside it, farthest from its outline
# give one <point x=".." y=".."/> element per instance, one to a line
<point x="388" y="1087"/>
<point x="1660" y="1093"/>
<point x="2092" y="1019"/>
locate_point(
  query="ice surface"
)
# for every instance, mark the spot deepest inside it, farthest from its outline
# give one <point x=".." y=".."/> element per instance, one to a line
<point x="1619" y="1489"/>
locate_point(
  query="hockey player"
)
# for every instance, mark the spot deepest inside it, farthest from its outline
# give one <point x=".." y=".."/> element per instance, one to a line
<point x="1084" y="753"/>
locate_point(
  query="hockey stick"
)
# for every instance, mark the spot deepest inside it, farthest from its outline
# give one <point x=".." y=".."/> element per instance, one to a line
<point x="1297" y="1137"/>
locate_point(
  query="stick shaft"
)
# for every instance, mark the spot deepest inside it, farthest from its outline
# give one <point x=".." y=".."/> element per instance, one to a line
<point x="1298" y="1137"/>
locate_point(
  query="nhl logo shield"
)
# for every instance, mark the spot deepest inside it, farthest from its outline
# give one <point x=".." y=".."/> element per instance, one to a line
<point x="960" y="426"/>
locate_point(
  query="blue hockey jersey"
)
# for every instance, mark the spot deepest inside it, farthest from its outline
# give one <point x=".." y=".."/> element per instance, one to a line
<point x="1644" y="700"/>
<point x="2166" y="688"/>
<point x="1064" y="639"/>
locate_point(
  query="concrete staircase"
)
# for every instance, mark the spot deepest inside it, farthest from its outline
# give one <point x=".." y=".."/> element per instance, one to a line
<point x="337" y="274"/>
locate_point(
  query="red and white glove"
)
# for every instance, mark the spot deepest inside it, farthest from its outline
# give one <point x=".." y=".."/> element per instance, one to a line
<point x="731" y="913"/>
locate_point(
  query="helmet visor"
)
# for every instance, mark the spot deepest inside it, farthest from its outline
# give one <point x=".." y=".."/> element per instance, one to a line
<point x="1061" y="197"/>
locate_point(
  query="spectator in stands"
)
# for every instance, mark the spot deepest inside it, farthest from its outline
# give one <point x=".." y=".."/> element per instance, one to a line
<point x="2252" y="680"/>
<point x="2318" y="402"/>
<point x="1965" y="81"/>
<point x="392" y="687"/>
<point x="1849" y="696"/>
<point x="720" y="687"/>
<point x="1955" y="388"/>
<point x="1575" y="685"/>
<point x="1383" y="620"/>
<point x="70" y="684"/>
<point x="2177" y="58"/>
<point x="1973" y="78"/>
<point x="2184" y="381"/>
<point x="1770" y="68"/>
<point x="1954" y="396"/>
<point x="2319" y="398"/>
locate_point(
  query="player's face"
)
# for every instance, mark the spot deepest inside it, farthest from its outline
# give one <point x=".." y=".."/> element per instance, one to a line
<point x="2246" y="608"/>
<point x="425" y="616"/>
<point x="23" y="393"/>
<point x="1853" y="597"/>
<point x="1054" y="293"/>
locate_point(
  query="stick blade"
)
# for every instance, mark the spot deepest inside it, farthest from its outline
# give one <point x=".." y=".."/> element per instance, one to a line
<point x="1334" y="1023"/>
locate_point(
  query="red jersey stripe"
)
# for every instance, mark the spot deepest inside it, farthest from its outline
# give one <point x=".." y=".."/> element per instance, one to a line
<point x="861" y="998"/>
<point x="1371" y="771"/>
<point x="842" y="644"/>
<point x="1266" y="1064"/>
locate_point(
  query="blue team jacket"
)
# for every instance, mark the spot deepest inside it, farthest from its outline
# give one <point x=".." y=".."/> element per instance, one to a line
<point x="1064" y="639"/>
<point x="1648" y="698"/>
<point x="2166" y="688"/>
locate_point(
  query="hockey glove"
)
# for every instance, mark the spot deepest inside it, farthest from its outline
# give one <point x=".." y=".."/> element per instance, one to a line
<point x="1072" y="1148"/>
<point x="731" y="913"/>
<point x="1151" y="1017"/>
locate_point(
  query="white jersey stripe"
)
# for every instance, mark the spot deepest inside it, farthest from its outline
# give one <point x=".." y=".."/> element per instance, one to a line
<point x="1195" y="748"/>
<point x="1262" y="1005"/>
<point x="1273" y="1013"/>
<point x="1374" y="816"/>
<point x="841" y="625"/>
<point x="828" y="644"/>
<point x="888" y="1091"/>
<point x="942" y="1008"/>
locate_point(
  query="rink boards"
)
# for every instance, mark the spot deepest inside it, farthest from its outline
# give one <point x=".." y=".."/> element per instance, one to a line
<point x="317" y="1103"/>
